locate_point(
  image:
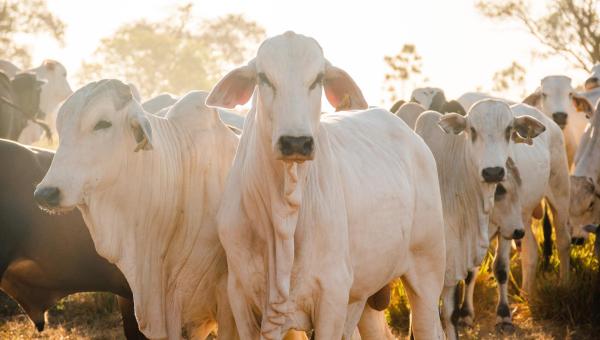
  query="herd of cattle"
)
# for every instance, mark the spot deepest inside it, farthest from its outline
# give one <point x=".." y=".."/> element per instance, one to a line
<point x="289" y="221"/>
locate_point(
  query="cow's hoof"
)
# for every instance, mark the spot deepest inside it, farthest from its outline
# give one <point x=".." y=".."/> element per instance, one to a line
<point x="505" y="327"/>
<point x="39" y="325"/>
<point x="466" y="321"/>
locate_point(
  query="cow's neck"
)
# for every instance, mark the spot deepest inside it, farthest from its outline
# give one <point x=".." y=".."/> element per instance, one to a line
<point x="161" y="223"/>
<point x="273" y="192"/>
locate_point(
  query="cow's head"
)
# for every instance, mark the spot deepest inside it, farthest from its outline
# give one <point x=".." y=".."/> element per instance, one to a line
<point x="489" y="128"/>
<point x="27" y="89"/>
<point x="584" y="208"/>
<point x="594" y="80"/>
<point x="57" y="86"/>
<point x="557" y="99"/>
<point x="425" y="96"/>
<point x="289" y="73"/>
<point x="507" y="212"/>
<point x="98" y="125"/>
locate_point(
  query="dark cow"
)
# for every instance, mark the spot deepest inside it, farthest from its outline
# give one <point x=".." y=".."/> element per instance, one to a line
<point x="19" y="103"/>
<point x="44" y="258"/>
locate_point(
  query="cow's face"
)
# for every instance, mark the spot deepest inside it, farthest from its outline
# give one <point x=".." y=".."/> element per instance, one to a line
<point x="97" y="126"/>
<point x="594" y="80"/>
<point x="57" y="86"/>
<point x="424" y="95"/>
<point x="290" y="73"/>
<point x="507" y="212"/>
<point x="584" y="206"/>
<point x="557" y="100"/>
<point x="489" y="128"/>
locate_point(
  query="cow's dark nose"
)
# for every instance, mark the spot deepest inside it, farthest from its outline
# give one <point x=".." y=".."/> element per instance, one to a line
<point x="577" y="241"/>
<point x="518" y="234"/>
<point x="296" y="146"/>
<point x="560" y="118"/>
<point x="493" y="174"/>
<point x="47" y="197"/>
<point x="591" y="83"/>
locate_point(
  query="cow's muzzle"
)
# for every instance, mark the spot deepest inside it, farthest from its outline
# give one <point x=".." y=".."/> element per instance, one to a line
<point x="296" y="148"/>
<point x="493" y="174"/>
<point x="591" y="83"/>
<point x="518" y="234"/>
<point x="47" y="197"/>
<point x="560" y="118"/>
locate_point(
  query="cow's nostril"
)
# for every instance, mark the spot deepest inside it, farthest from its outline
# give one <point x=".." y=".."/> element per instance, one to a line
<point x="518" y="234"/>
<point x="560" y="118"/>
<point x="493" y="174"/>
<point x="302" y="146"/>
<point x="48" y="197"/>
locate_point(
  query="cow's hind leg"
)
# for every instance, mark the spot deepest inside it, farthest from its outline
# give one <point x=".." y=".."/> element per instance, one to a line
<point x="467" y="309"/>
<point x="373" y="326"/>
<point x="423" y="286"/>
<point x="450" y="311"/>
<point x="501" y="273"/>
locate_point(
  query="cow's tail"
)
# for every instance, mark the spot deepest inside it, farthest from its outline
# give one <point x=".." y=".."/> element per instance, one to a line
<point x="547" y="242"/>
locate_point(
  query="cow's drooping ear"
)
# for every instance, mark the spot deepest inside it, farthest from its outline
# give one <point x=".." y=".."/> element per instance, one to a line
<point x="235" y="88"/>
<point x="526" y="128"/>
<point x="142" y="131"/>
<point x="533" y="99"/>
<point x="453" y="123"/>
<point x="121" y="93"/>
<point x="582" y="104"/>
<point x="341" y="90"/>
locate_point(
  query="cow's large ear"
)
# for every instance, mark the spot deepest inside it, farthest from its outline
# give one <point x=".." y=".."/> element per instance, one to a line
<point x="140" y="126"/>
<point x="397" y="106"/>
<point x="453" y="123"/>
<point x="533" y="99"/>
<point x="235" y="88"/>
<point x="438" y="101"/>
<point x="526" y="128"/>
<point x="341" y="90"/>
<point x="120" y="92"/>
<point x="582" y="104"/>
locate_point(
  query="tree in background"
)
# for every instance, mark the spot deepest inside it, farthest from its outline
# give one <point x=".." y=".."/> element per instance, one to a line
<point x="26" y="18"/>
<point x="405" y="68"/>
<point x="510" y="79"/>
<point x="569" y="28"/>
<point x="177" y="54"/>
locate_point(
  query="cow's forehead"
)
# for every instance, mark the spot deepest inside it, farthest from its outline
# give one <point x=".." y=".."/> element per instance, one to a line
<point x="76" y="106"/>
<point x="556" y="83"/>
<point x="490" y="115"/>
<point x="290" y="52"/>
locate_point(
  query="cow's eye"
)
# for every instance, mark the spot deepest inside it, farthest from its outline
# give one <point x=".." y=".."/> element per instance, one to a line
<point x="500" y="192"/>
<point x="473" y="135"/>
<point x="591" y="206"/>
<point x="318" y="81"/>
<point x="544" y="95"/>
<point x="263" y="80"/>
<point x="102" y="124"/>
<point x="508" y="133"/>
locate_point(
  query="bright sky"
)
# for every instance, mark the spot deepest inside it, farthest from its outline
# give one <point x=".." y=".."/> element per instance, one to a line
<point x="461" y="50"/>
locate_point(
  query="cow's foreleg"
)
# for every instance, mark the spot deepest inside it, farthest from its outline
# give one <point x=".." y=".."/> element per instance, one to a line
<point x="450" y="295"/>
<point x="332" y="304"/>
<point x="353" y="316"/>
<point x="563" y="237"/>
<point x="245" y="320"/>
<point x="501" y="273"/>
<point x="467" y="309"/>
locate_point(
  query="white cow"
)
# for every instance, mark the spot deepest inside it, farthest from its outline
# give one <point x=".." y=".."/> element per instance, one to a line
<point x="148" y="188"/>
<point x="433" y="98"/>
<point x="541" y="171"/>
<point x="471" y="153"/>
<point x="557" y="99"/>
<point x="159" y="102"/>
<point x="584" y="209"/>
<point x="321" y="211"/>
<point x="409" y="113"/>
<point x="54" y="92"/>
<point x="424" y="95"/>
